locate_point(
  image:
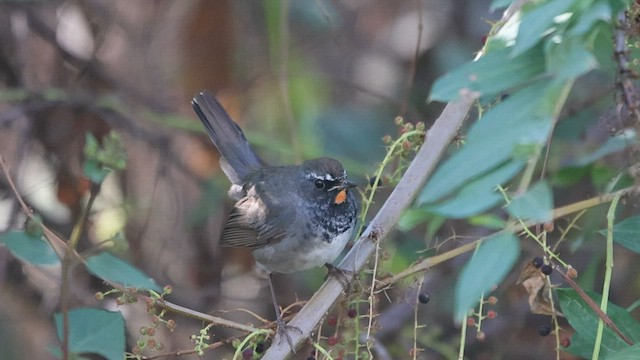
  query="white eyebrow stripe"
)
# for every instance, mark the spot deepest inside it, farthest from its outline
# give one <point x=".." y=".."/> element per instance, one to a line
<point x="313" y="175"/>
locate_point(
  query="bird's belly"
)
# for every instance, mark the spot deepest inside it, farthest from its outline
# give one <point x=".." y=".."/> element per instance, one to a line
<point x="283" y="257"/>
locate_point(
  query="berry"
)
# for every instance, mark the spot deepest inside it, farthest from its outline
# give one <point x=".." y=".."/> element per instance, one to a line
<point x="260" y="347"/>
<point x="424" y="298"/>
<point x="372" y="181"/>
<point x="332" y="321"/>
<point x="491" y="314"/>
<point x="572" y="273"/>
<point x="171" y="324"/>
<point x="549" y="226"/>
<point x="471" y="321"/>
<point x="492" y="300"/>
<point x="544" y="330"/>
<point x="352" y="313"/>
<point x="151" y="331"/>
<point x="99" y="296"/>
<point x="247" y="354"/>
<point x="566" y="342"/>
<point x="481" y="336"/>
<point x="332" y="341"/>
<point x="546" y="269"/>
<point x="537" y="262"/>
<point x="168" y="289"/>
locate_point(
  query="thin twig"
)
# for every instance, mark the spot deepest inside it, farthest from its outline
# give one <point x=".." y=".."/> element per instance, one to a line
<point x="605" y="318"/>
<point x="67" y="262"/>
<point x="414" y="61"/>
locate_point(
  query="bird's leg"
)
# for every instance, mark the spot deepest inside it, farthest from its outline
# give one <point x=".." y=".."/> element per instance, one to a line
<point x="344" y="276"/>
<point x="282" y="327"/>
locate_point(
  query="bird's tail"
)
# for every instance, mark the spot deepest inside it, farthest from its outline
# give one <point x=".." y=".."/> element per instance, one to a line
<point x="238" y="159"/>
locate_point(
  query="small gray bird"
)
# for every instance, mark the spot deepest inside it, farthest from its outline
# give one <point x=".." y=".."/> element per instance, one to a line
<point x="294" y="217"/>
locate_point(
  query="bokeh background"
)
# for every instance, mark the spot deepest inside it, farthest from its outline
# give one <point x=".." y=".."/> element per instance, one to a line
<point x="303" y="78"/>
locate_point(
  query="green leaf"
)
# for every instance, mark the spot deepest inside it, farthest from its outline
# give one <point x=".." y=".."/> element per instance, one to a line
<point x="499" y="4"/>
<point x="602" y="174"/>
<point x="29" y="248"/>
<point x="94" y="331"/>
<point x="611" y="146"/>
<point x="100" y="161"/>
<point x="488" y="220"/>
<point x="569" y="59"/>
<point x="490" y="75"/>
<point x="488" y="266"/>
<point x="111" y="268"/>
<point x="598" y="11"/>
<point x="630" y="353"/>
<point x="537" y="23"/>
<point x="585" y="322"/>
<point x="627" y="233"/>
<point x="478" y="195"/>
<point x="94" y="172"/>
<point x="536" y="204"/>
<point x="523" y="118"/>
<point x="411" y="218"/>
<point x="569" y="176"/>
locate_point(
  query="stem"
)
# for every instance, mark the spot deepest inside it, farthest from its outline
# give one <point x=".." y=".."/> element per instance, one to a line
<point x="387" y="159"/>
<point x="66" y="266"/>
<point x="463" y="339"/>
<point x="415" y="319"/>
<point x="608" y="272"/>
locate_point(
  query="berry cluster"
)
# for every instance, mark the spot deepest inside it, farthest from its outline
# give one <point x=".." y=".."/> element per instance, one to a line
<point x="490" y="314"/>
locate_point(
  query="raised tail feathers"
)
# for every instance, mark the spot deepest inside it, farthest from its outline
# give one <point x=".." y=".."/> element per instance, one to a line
<point x="238" y="159"/>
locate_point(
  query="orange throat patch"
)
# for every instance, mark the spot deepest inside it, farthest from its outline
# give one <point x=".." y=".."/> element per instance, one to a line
<point x="340" y="197"/>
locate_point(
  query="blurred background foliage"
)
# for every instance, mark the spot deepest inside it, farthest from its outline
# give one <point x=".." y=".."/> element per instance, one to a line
<point x="304" y="79"/>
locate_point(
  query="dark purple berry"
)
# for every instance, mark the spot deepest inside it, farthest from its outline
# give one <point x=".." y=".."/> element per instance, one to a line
<point x="352" y="313"/>
<point x="247" y="354"/>
<point x="544" y="330"/>
<point x="260" y="347"/>
<point x="546" y="269"/>
<point x="424" y="298"/>
<point x="537" y="262"/>
<point x="372" y="181"/>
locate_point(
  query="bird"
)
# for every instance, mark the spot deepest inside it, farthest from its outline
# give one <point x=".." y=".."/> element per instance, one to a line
<point x="292" y="217"/>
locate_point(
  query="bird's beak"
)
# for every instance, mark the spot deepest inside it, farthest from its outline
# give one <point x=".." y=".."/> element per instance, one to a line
<point x="348" y="184"/>
<point x="344" y="185"/>
<point x="342" y="193"/>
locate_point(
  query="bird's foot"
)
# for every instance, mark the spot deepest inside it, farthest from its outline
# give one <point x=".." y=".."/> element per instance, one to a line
<point x="282" y="329"/>
<point x="344" y="276"/>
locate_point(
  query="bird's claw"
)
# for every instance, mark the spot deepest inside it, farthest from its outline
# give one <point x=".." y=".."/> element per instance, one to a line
<point x="344" y="276"/>
<point x="282" y="329"/>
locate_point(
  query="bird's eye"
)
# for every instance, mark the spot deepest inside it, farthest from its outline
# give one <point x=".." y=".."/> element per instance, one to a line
<point x="319" y="184"/>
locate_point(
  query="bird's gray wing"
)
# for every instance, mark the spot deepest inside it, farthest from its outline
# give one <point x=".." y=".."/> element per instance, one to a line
<point x="255" y="221"/>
